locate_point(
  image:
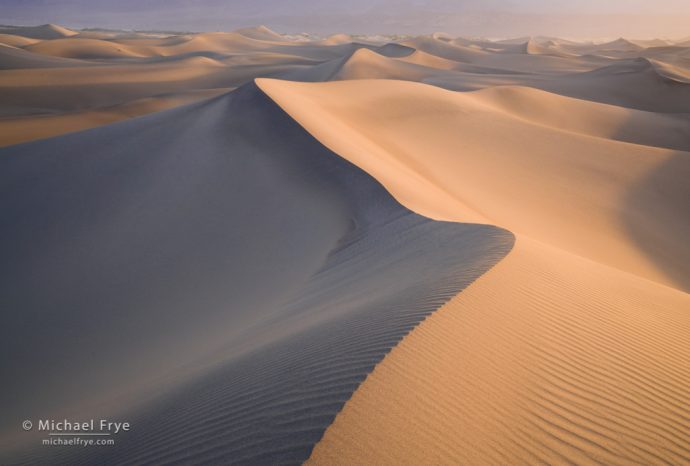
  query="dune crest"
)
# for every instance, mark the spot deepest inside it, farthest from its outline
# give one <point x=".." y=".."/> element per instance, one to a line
<point x="43" y="32"/>
<point x="576" y="200"/>
<point x="83" y="49"/>
<point x="559" y="354"/>
<point x="16" y="41"/>
<point x="248" y="323"/>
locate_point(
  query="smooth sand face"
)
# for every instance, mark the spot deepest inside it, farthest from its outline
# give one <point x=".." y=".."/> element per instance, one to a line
<point x="573" y="349"/>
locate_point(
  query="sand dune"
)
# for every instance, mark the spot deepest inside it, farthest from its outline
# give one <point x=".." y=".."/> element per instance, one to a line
<point x="100" y="48"/>
<point x="158" y="230"/>
<point x="559" y="354"/>
<point x="617" y="46"/>
<point x="16" y="41"/>
<point x="72" y="89"/>
<point x="261" y="33"/>
<point x="457" y="64"/>
<point x="13" y="58"/>
<point x="445" y="50"/>
<point x="43" y="32"/>
<point x="215" y="41"/>
<point x="89" y="88"/>
<point x="580" y="71"/>
<point x="255" y="250"/>
<point x="29" y="128"/>
<point x="676" y="56"/>
<point x="548" y="358"/>
<point x="545" y="182"/>
<point x="365" y="63"/>
<point x="109" y="69"/>
<point x="426" y="59"/>
<point x="507" y="56"/>
<point x="104" y="46"/>
<point x="590" y="118"/>
<point x="617" y="49"/>
<point x="533" y="47"/>
<point x="670" y="72"/>
<point x="90" y="93"/>
<point x="616" y="84"/>
<point x="83" y="49"/>
<point x="619" y="84"/>
<point x="560" y="361"/>
<point x="336" y="39"/>
<point x="651" y="42"/>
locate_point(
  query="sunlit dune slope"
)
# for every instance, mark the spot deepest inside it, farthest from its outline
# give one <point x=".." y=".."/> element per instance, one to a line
<point x="15" y="41"/>
<point x="548" y="358"/>
<point x="574" y="348"/>
<point x="488" y="157"/>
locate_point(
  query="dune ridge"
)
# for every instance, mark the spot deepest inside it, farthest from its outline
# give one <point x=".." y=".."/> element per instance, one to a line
<point x="42" y="32"/>
<point x="83" y="49"/>
<point x="389" y="125"/>
<point x="250" y="342"/>
<point x="558" y="354"/>
<point x="16" y="41"/>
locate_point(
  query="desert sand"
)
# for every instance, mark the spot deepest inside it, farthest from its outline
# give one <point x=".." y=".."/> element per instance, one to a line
<point x="548" y="358"/>
<point x="346" y="250"/>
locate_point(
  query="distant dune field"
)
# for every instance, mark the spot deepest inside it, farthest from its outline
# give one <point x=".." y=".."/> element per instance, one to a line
<point x="267" y="249"/>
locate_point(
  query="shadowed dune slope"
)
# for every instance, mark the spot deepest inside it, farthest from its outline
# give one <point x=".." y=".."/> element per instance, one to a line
<point x="214" y="275"/>
<point x="78" y="94"/>
<point x="22" y="129"/>
<point x="439" y="154"/>
<point x="637" y="83"/>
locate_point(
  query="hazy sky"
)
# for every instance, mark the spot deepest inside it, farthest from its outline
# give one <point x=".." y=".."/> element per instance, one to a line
<point x="494" y="18"/>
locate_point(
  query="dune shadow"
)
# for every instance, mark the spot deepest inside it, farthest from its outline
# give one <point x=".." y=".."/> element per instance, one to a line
<point x="657" y="217"/>
<point x="221" y="231"/>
